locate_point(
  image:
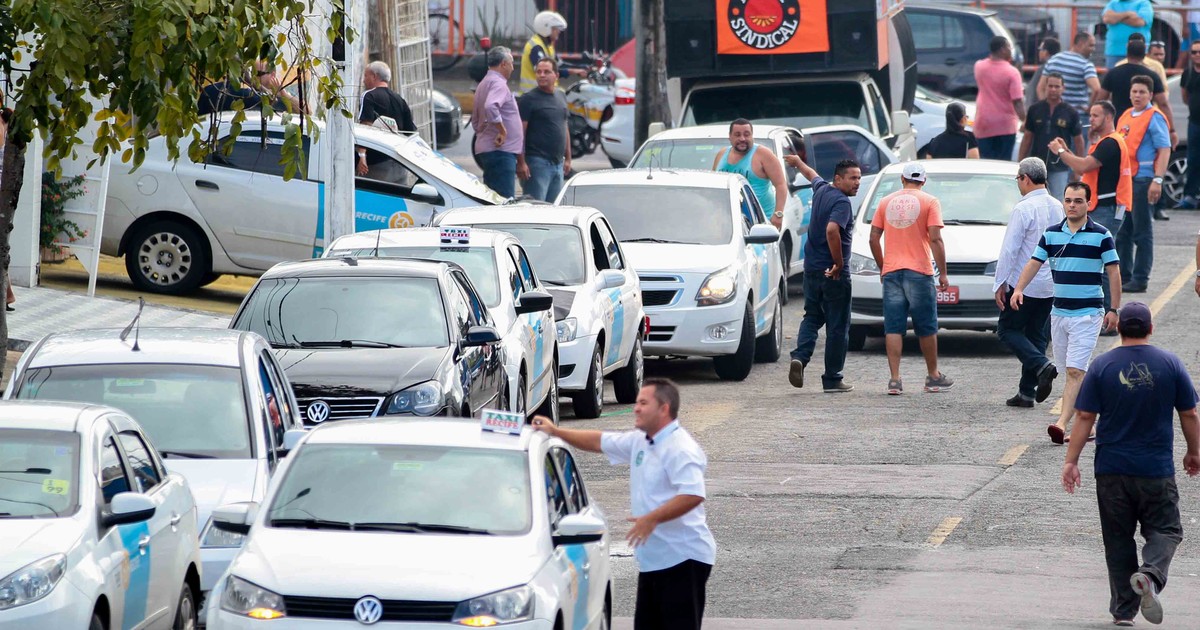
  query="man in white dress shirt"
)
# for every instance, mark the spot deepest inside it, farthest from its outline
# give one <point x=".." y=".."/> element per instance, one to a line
<point x="1027" y="331"/>
<point x="674" y="549"/>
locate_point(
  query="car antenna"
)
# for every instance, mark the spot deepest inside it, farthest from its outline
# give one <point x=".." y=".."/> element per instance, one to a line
<point x="650" y="167"/>
<point x="378" y="235"/>
<point x="134" y="325"/>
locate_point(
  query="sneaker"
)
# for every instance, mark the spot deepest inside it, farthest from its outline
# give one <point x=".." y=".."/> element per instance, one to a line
<point x="1122" y="622"/>
<point x="940" y="384"/>
<point x="1045" y="384"/>
<point x="1151" y="606"/>
<point x="1133" y="287"/>
<point x="839" y="387"/>
<point x="1057" y="435"/>
<point x="1019" y="401"/>
<point x="895" y="387"/>
<point x="796" y="373"/>
<point x="1159" y="215"/>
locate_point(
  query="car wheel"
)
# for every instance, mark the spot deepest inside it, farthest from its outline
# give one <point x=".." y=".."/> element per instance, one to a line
<point x="858" y="337"/>
<point x="185" y="614"/>
<point x="210" y="278"/>
<point x="589" y="403"/>
<point x="627" y="381"/>
<point x="768" y="347"/>
<point x="736" y="366"/>
<point x="166" y="257"/>
<point x="1175" y="178"/>
<point x="97" y="623"/>
<point x="520" y="404"/>
<point x="549" y="407"/>
<point x="787" y="270"/>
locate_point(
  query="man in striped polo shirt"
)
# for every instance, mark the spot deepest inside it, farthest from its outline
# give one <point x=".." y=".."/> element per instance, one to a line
<point x="1081" y="252"/>
<point x="1080" y="81"/>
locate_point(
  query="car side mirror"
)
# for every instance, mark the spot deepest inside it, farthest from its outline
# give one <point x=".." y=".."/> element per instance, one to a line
<point x="762" y="234"/>
<point x="578" y="529"/>
<point x="534" y="302"/>
<point x="128" y="507"/>
<point x="291" y="439"/>
<point x="901" y="123"/>
<point x="800" y="182"/>
<point x="481" y="336"/>
<point x="235" y="518"/>
<point x="610" y="279"/>
<point x="425" y="192"/>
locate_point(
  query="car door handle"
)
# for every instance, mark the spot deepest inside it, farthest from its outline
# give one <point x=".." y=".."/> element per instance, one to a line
<point x="587" y="566"/>
<point x="175" y="518"/>
<point x="204" y="183"/>
<point x="143" y="543"/>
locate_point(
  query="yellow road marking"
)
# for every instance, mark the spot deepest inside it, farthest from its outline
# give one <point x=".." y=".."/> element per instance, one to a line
<point x="1187" y="273"/>
<point x="942" y="531"/>
<point x="1013" y="455"/>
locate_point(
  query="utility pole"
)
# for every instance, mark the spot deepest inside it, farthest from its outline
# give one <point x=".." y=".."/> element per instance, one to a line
<point x="339" y="135"/>
<point x="651" y="104"/>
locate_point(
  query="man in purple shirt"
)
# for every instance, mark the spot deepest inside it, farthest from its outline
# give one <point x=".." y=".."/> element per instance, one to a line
<point x="499" y="135"/>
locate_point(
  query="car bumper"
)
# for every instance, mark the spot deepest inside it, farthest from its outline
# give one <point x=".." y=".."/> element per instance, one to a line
<point x="574" y="359"/>
<point x="616" y="134"/>
<point x="690" y="330"/>
<point x="225" y="620"/>
<point x="448" y="126"/>
<point x="976" y="308"/>
<point x="64" y="607"/>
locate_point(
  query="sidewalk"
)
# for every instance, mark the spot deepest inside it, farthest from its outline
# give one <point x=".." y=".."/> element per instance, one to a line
<point x="41" y="311"/>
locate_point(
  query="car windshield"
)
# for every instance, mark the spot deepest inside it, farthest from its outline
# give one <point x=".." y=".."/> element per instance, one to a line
<point x="696" y="153"/>
<point x="966" y="199"/>
<point x="350" y="312"/>
<point x="445" y="169"/>
<point x="39" y="473"/>
<point x="555" y="250"/>
<point x="479" y="263"/>
<point x="185" y="410"/>
<point x="422" y="489"/>
<point x="790" y="104"/>
<point x="660" y="214"/>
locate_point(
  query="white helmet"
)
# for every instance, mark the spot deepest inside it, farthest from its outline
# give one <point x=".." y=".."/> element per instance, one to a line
<point x="546" y="21"/>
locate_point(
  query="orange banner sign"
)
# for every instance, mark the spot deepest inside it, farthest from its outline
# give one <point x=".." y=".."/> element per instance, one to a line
<point x="771" y="27"/>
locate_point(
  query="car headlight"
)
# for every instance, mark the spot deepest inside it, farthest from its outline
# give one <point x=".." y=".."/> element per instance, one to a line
<point x="862" y="265"/>
<point x="251" y="600"/>
<point x="567" y="329"/>
<point x="990" y="269"/>
<point x="32" y="581"/>
<point x="514" y="604"/>
<point x="220" y="539"/>
<point x="424" y="400"/>
<point x="718" y="288"/>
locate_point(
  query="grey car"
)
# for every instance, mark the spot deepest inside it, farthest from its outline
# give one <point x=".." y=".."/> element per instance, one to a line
<point x="214" y="403"/>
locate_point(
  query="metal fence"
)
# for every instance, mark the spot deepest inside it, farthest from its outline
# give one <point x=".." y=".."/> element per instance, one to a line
<point x="400" y="37"/>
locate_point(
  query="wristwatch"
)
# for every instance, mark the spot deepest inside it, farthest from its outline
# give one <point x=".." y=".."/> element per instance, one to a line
<point x="1113" y="310"/>
<point x="778" y="214"/>
<point x="1061" y="151"/>
<point x="1158" y="180"/>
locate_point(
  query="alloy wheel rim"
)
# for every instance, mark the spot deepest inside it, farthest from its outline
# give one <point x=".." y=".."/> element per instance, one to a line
<point x="598" y="380"/>
<point x="164" y="258"/>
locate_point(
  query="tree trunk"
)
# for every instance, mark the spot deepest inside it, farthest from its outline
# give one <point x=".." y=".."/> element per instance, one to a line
<point x="651" y="104"/>
<point x="10" y="191"/>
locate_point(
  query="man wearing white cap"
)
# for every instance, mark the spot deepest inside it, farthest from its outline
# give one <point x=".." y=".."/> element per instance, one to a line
<point x="909" y="221"/>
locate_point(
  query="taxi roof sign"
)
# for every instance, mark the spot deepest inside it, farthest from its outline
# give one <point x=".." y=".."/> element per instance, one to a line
<point x="451" y="235"/>
<point x="498" y="421"/>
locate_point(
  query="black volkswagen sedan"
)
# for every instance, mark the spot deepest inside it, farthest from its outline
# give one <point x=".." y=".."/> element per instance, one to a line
<point x="372" y="337"/>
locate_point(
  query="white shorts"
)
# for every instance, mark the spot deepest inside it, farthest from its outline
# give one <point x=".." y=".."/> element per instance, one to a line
<point x="1074" y="340"/>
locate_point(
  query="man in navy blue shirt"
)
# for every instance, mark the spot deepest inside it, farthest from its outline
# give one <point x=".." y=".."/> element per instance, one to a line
<point x="826" y="283"/>
<point x="1136" y="389"/>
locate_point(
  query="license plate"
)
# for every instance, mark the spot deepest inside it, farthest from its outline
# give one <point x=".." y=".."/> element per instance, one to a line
<point x="949" y="296"/>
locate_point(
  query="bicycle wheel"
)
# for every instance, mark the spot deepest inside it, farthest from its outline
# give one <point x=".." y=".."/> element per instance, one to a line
<point x="439" y="42"/>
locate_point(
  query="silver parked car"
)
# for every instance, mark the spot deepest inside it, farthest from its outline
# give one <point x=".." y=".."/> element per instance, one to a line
<point x="213" y="402"/>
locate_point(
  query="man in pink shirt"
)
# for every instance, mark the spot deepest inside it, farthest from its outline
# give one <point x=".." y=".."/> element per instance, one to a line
<point x="499" y="134"/>
<point x="1000" y="104"/>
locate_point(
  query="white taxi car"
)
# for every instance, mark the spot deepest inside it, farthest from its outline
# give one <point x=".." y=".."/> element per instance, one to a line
<point x="456" y="527"/>
<point x="707" y="259"/>
<point x="977" y="197"/>
<point x="214" y="402"/>
<point x="504" y="277"/>
<point x="180" y="225"/>
<point x="94" y="532"/>
<point x="597" y="301"/>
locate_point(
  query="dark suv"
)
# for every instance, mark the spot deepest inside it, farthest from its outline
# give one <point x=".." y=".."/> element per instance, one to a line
<point x="949" y="41"/>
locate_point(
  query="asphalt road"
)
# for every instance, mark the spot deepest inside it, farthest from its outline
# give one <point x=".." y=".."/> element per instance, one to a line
<point x="862" y="510"/>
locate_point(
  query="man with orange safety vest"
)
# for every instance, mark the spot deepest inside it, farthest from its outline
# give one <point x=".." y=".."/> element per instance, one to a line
<point x="1106" y="170"/>
<point x="1147" y="136"/>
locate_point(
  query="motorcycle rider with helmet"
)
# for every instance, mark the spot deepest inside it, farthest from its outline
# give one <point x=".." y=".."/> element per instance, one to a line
<point x="546" y="27"/>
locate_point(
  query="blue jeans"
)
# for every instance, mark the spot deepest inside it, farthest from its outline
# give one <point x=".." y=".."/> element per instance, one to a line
<point x="1138" y="232"/>
<point x="907" y="293"/>
<point x="826" y="303"/>
<point x="545" y="178"/>
<point x="1104" y="215"/>
<point x="1192" y="187"/>
<point x="500" y="172"/>
<point x="1027" y="333"/>
<point x="997" y="147"/>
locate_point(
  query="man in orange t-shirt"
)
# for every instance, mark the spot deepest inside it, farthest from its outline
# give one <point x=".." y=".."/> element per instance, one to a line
<point x="910" y="221"/>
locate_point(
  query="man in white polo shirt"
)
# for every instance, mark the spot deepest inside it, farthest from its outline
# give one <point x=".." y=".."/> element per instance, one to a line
<point x="674" y="549"/>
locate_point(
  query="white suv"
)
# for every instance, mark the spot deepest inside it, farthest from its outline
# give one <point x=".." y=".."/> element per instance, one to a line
<point x="707" y="258"/>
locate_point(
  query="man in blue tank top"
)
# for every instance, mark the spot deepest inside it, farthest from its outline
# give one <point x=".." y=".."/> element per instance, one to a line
<point x="761" y="168"/>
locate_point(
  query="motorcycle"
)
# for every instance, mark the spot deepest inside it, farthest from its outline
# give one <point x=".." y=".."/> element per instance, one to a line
<point x="589" y="102"/>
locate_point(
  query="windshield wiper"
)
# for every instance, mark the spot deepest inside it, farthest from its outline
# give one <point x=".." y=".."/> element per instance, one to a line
<point x="658" y="240"/>
<point x="311" y="523"/>
<point x="167" y="454"/>
<point x="429" y="528"/>
<point x="27" y="471"/>
<point x="278" y="344"/>
<point x="349" y="343"/>
<point x="971" y="222"/>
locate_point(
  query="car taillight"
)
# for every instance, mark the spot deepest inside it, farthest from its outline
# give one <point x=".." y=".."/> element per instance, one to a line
<point x="624" y="96"/>
<point x="646" y="326"/>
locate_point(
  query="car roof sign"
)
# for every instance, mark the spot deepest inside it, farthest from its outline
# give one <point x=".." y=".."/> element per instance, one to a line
<point x="454" y="237"/>
<point x="498" y="421"/>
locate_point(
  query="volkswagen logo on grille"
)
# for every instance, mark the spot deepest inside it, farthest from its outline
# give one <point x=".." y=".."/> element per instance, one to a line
<point x="318" y="411"/>
<point x="368" y="610"/>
